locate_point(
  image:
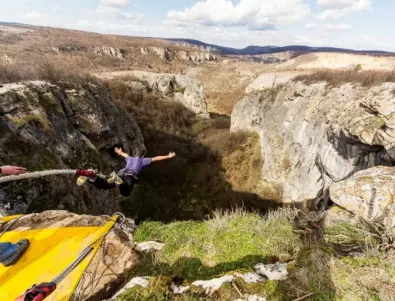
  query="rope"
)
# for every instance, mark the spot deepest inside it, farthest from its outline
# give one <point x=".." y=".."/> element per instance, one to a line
<point x="88" y="249"/>
<point x="10" y="224"/>
<point x="37" y="174"/>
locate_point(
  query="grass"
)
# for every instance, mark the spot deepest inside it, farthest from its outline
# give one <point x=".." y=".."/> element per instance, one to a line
<point x="232" y="240"/>
<point x="338" y="77"/>
<point x="236" y="240"/>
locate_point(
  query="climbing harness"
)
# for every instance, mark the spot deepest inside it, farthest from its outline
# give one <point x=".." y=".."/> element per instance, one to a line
<point x="38" y="292"/>
<point x="43" y="290"/>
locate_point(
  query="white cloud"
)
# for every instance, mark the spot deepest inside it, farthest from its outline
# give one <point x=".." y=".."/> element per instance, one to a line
<point x="254" y="14"/>
<point x="114" y="12"/>
<point x="339" y="8"/>
<point x="331" y="26"/>
<point x="335" y="3"/>
<point x="310" y="25"/>
<point x="33" y="16"/>
<point x="114" y="3"/>
<point x="108" y="27"/>
<point x="328" y="26"/>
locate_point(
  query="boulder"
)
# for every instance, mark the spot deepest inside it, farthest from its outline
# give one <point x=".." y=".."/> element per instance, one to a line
<point x="211" y="286"/>
<point x="277" y="271"/>
<point x="368" y="194"/>
<point x="136" y="281"/>
<point x="65" y="126"/>
<point x="250" y="277"/>
<point x="149" y="246"/>
<point x="314" y="135"/>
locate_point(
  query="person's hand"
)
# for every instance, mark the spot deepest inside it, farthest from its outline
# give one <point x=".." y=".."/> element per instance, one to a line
<point x="171" y="155"/>
<point x="118" y="150"/>
<point x="12" y="170"/>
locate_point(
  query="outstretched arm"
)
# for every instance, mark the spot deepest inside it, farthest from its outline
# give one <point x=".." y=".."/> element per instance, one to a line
<point x="12" y="170"/>
<point x="121" y="153"/>
<point x="161" y="158"/>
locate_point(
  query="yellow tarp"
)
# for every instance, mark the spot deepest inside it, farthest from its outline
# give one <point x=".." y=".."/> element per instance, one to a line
<point x="7" y="219"/>
<point x="51" y="251"/>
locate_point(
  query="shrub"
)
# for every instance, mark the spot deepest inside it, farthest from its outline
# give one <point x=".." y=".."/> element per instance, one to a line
<point x="53" y="71"/>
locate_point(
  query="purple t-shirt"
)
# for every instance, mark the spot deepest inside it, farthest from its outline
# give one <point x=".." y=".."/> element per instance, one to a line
<point x="135" y="164"/>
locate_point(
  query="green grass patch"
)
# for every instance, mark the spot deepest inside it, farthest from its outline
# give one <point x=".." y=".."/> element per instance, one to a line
<point x="231" y="240"/>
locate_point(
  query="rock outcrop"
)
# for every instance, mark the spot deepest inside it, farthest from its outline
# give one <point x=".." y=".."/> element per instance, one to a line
<point x="314" y="135"/>
<point x="187" y="90"/>
<point x="200" y="47"/>
<point x="116" y="253"/>
<point x="163" y="53"/>
<point x="368" y="194"/>
<point x="170" y="54"/>
<point x="137" y="281"/>
<point x="271" y="80"/>
<point x="67" y="126"/>
<point x="110" y="51"/>
<point x="69" y="48"/>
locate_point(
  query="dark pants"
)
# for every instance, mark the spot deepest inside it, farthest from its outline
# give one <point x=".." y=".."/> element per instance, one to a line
<point x="102" y="184"/>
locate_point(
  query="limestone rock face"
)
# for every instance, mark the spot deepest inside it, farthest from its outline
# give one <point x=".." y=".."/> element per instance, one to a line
<point x="169" y="54"/>
<point x="115" y="254"/>
<point x="46" y="126"/>
<point x="163" y="53"/>
<point x="314" y="135"/>
<point x="110" y="51"/>
<point x="368" y="194"/>
<point x="187" y="90"/>
<point x="271" y="80"/>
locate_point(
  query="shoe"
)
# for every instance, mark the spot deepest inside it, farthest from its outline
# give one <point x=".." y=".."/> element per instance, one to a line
<point x="22" y="245"/>
<point x="90" y="173"/>
<point x="114" y="178"/>
<point x="81" y="180"/>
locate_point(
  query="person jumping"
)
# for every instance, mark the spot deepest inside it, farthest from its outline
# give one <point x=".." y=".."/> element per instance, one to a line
<point x="125" y="178"/>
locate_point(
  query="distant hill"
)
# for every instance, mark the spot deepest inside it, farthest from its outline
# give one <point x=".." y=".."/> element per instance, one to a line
<point x="14" y="24"/>
<point x="257" y="50"/>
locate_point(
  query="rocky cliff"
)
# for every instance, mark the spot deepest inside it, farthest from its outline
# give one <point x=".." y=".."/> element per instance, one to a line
<point x="314" y="135"/>
<point x="172" y="54"/>
<point x="184" y="89"/>
<point x="46" y="126"/>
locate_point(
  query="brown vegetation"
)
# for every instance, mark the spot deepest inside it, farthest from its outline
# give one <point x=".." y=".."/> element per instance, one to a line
<point x="225" y="83"/>
<point x="53" y="71"/>
<point x="339" y="77"/>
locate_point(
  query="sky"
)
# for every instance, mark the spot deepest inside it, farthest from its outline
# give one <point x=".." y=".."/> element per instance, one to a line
<point x="356" y="24"/>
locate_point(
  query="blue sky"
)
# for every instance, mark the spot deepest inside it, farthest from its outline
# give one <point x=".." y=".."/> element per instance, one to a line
<point x="358" y="24"/>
